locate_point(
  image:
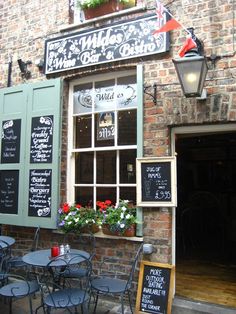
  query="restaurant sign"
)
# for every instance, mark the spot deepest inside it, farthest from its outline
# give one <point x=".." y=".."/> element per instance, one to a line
<point x="115" y="42"/>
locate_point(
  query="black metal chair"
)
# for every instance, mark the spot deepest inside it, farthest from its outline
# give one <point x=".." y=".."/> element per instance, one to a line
<point x="5" y="253"/>
<point x="18" y="287"/>
<point x="86" y="242"/>
<point x="69" y="295"/>
<point x="119" y="284"/>
<point x="16" y="261"/>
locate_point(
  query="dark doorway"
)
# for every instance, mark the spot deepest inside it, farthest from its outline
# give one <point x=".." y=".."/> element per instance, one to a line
<point x="206" y="212"/>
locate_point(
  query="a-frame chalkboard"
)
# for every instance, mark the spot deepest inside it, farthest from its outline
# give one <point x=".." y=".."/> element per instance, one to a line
<point x="155" y="288"/>
<point x="156" y="181"/>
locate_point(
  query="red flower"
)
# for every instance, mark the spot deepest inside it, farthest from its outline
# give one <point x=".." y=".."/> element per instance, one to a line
<point x="66" y="208"/>
<point x="78" y="206"/>
<point x="108" y="202"/>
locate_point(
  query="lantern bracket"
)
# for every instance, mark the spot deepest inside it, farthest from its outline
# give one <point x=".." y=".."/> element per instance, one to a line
<point x="153" y="93"/>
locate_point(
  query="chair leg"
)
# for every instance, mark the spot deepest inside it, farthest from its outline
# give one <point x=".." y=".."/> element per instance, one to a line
<point x="130" y="304"/>
<point x="30" y="304"/>
<point x="96" y="302"/>
<point x="10" y="306"/>
<point x="122" y="304"/>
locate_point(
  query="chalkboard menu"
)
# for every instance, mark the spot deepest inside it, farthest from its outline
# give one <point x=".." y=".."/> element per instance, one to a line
<point x="40" y="189"/>
<point x="119" y="41"/>
<point x="9" y="183"/>
<point x="41" y="139"/>
<point x="156" y="181"/>
<point x="155" y="288"/>
<point x="10" y="150"/>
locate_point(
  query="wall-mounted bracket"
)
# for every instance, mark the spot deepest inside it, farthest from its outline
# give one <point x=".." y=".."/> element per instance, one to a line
<point x="153" y="93"/>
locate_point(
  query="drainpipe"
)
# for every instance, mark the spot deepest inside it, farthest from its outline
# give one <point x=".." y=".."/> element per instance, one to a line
<point x="9" y="72"/>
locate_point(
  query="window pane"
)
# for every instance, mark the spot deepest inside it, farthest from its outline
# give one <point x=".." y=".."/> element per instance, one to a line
<point x="84" y="196"/>
<point x="84" y="167"/>
<point x="127" y="92"/>
<point x="127" y="133"/>
<point x="105" y="95"/>
<point x="127" y="166"/>
<point x="106" y="167"/>
<point x="83" y="98"/>
<point x="104" y="129"/>
<point x="106" y="193"/>
<point x="83" y="131"/>
<point x="128" y="194"/>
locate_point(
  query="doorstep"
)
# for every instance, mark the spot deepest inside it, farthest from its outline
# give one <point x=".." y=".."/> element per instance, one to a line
<point x="186" y="306"/>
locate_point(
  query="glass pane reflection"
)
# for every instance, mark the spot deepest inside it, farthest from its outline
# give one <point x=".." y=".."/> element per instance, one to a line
<point x="128" y="166"/>
<point x="84" y="168"/>
<point x="106" y="167"/>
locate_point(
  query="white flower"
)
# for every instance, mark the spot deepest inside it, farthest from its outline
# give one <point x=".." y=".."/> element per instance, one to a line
<point x="67" y="216"/>
<point x="123" y="208"/>
<point x="127" y="216"/>
<point x="76" y="219"/>
<point x="122" y="226"/>
<point x="69" y="222"/>
<point x="122" y="215"/>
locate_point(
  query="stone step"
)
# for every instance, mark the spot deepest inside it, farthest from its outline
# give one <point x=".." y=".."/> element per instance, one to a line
<point x="184" y="306"/>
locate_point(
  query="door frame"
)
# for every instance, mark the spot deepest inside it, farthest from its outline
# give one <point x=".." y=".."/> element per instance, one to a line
<point x="193" y="130"/>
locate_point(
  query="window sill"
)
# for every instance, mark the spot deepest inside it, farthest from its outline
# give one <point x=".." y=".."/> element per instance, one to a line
<point x="136" y="9"/>
<point x="100" y="234"/>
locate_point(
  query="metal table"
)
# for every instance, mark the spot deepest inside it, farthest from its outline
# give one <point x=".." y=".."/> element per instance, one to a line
<point x="41" y="258"/>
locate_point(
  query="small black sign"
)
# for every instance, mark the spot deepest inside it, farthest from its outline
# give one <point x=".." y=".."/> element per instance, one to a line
<point x="155" y="288"/>
<point x="115" y="42"/>
<point x="10" y="152"/>
<point x="40" y="189"/>
<point x="41" y="139"/>
<point x="9" y="183"/>
<point x="156" y="182"/>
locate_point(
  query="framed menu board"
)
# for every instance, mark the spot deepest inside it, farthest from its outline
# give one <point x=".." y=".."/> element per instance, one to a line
<point x="41" y="139"/>
<point x="156" y="181"/>
<point x="40" y="190"/>
<point x="10" y="150"/>
<point x="155" y="288"/>
<point x="9" y="190"/>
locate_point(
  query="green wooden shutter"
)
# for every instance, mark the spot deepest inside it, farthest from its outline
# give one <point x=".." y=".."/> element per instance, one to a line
<point x="29" y="103"/>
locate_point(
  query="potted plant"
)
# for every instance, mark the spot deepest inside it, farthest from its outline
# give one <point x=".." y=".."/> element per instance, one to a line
<point x="75" y="218"/>
<point x="95" y="8"/>
<point x="119" y="219"/>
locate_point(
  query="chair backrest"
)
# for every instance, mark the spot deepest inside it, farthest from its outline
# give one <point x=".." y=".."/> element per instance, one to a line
<point x="134" y="266"/>
<point x="5" y="254"/>
<point x="36" y="239"/>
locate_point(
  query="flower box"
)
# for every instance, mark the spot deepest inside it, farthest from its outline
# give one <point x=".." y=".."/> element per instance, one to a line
<point x="104" y="8"/>
<point x="130" y="232"/>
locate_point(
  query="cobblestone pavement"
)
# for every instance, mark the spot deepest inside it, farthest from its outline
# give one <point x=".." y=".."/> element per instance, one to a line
<point x="21" y="306"/>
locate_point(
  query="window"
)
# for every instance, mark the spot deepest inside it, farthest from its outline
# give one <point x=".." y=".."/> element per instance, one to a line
<point x="103" y="138"/>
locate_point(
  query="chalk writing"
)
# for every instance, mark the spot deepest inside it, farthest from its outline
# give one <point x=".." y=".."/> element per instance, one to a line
<point x="9" y="182"/>
<point x="11" y="130"/>
<point x="40" y="192"/>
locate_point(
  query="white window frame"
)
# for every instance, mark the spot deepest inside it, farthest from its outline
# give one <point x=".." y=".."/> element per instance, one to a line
<point x="71" y="151"/>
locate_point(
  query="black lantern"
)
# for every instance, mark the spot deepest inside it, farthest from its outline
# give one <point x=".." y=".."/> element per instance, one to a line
<point x="191" y="71"/>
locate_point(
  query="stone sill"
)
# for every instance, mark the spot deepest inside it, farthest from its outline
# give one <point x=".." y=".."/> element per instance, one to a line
<point x="136" y="9"/>
<point x="101" y="235"/>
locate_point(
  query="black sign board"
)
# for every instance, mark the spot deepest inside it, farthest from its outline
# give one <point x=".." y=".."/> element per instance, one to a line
<point x="9" y="183"/>
<point x="10" y="151"/>
<point x="155" y="288"/>
<point x="156" y="181"/>
<point x="130" y="39"/>
<point x="40" y="190"/>
<point x="41" y="139"/>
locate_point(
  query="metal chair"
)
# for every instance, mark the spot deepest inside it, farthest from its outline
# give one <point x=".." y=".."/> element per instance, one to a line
<point x="106" y="284"/>
<point x="16" y="261"/>
<point x="68" y="295"/>
<point x="85" y="242"/>
<point x="18" y="287"/>
<point x="5" y="253"/>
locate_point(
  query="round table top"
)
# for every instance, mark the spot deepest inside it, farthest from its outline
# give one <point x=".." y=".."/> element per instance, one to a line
<point x="5" y="239"/>
<point x="41" y="258"/>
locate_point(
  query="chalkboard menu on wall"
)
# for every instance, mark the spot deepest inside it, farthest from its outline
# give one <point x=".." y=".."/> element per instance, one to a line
<point x="156" y="181"/>
<point x="40" y="189"/>
<point x="155" y="288"/>
<point x="10" y="150"/>
<point x="41" y="139"/>
<point x="9" y="183"/>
